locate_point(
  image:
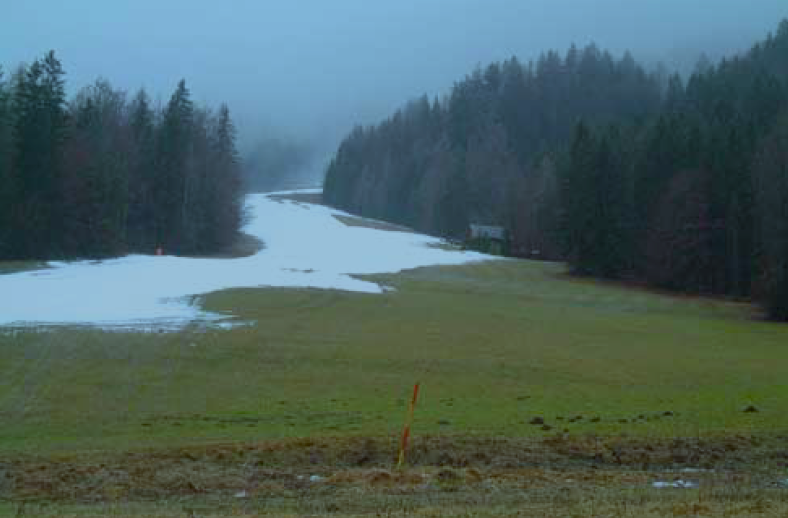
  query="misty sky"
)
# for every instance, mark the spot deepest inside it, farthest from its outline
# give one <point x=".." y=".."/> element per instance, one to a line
<point x="315" y="67"/>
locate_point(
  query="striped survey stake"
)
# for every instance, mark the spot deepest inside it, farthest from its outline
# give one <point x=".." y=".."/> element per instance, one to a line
<point x="403" y="444"/>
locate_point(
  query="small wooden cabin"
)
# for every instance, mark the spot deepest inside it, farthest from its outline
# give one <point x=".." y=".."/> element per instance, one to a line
<point x="489" y="239"/>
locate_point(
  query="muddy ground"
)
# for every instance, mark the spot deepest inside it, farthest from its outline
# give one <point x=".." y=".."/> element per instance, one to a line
<point x="357" y="475"/>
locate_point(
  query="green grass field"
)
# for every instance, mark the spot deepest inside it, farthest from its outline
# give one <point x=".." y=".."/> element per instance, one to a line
<point x="19" y="266"/>
<point x="493" y="345"/>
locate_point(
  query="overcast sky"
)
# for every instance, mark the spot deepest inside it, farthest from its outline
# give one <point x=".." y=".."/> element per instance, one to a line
<point x="316" y="67"/>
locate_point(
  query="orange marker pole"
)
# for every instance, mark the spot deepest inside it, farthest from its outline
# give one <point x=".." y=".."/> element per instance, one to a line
<point x="403" y="445"/>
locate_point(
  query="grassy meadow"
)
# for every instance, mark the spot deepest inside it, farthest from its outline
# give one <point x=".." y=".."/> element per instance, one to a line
<point x="509" y="354"/>
<point x="493" y="344"/>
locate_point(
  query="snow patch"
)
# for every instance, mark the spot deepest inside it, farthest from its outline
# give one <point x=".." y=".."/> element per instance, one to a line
<point x="677" y="484"/>
<point x="306" y="247"/>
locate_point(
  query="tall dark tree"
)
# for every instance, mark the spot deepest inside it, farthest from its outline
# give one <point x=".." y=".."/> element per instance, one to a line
<point x="171" y="192"/>
<point x="771" y="168"/>
<point x="96" y="186"/>
<point x="596" y="205"/>
<point x="678" y="246"/>
<point x="39" y="115"/>
<point x="225" y="186"/>
<point x="6" y="171"/>
<point x="141" y="223"/>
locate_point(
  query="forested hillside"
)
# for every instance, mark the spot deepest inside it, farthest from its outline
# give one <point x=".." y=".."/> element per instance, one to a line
<point x="588" y="158"/>
<point x="485" y="153"/>
<point x="101" y="175"/>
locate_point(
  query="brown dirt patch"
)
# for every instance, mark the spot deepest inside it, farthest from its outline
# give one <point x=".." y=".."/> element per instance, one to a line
<point x="286" y="466"/>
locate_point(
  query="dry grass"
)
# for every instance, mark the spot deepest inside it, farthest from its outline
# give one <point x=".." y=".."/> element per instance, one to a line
<point x="432" y="492"/>
<point x="460" y="476"/>
<point x="353" y="221"/>
<point x="7" y="267"/>
<point x="244" y="246"/>
<point x="311" y="198"/>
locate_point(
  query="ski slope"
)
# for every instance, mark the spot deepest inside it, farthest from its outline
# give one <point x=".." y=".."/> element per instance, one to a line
<point x="305" y="247"/>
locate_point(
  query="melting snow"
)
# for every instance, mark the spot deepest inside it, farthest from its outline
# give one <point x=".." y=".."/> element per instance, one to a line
<point x="305" y="246"/>
<point x="678" y="484"/>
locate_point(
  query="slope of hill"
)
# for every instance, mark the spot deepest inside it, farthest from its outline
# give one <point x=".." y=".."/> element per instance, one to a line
<point x="588" y="159"/>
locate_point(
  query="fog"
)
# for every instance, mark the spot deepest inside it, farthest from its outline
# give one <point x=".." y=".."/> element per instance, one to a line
<point x="313" y="68"/>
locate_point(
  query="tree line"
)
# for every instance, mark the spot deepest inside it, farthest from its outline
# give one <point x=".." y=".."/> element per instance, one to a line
<point x="487" y="151"/>
<point x="102" y="175"/>
<point x="623" y="173"/>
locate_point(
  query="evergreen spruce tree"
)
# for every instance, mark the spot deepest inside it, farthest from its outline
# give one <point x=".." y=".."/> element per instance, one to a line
<point x="577" y="200"/>
<point x="6" y="173"/>
<point x="771" y="169"/>
<point x="141" y="228"/>
<point x="39" y="116"/>
<point x="172" y="189"/>
<point x="225" y="186"/>
<point x="98" y="212"/>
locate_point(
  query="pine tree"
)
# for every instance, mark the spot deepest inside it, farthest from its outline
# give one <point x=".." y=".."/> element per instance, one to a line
<point x="39" y="116"/>
<point x="577" y="201"/>
<point x="772" y="195"/>
<point x="141" y="230"/>
<point x="96" y="186"/>
<point x="173" y="182"/>
<point x="595" y="205"/>
<point x="226" y="182"/>
<point x="6" y="173"/>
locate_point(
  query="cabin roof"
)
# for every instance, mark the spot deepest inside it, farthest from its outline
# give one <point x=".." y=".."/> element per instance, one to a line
<point x="487" y="232"/>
